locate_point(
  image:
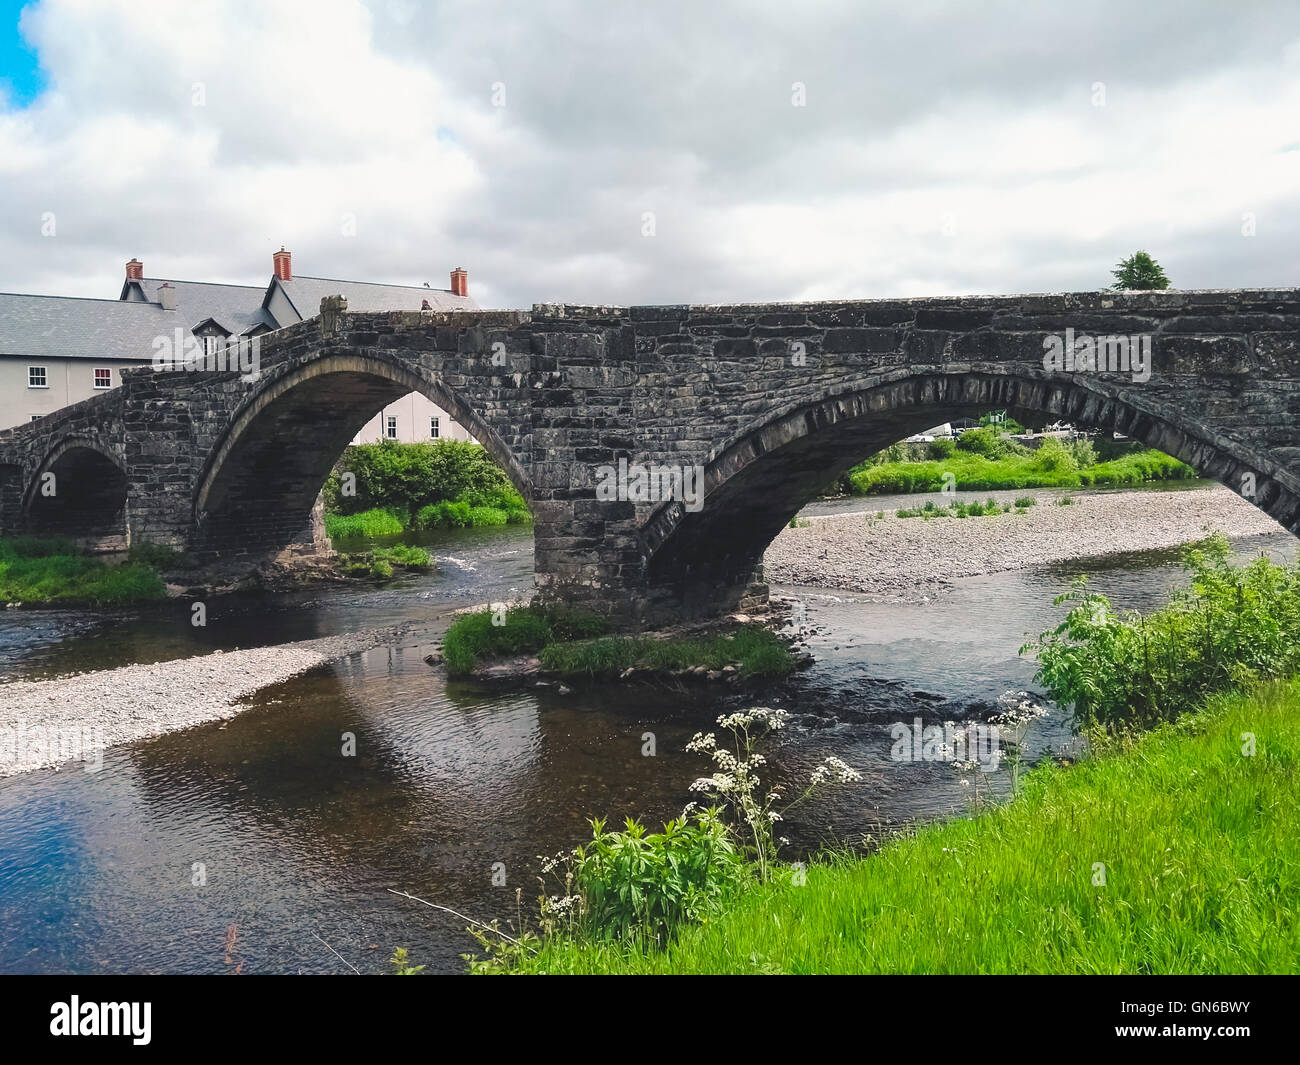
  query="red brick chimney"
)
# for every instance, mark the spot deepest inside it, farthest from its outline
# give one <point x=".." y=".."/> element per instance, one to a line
<point x="135" y="270"/>
<point x="459" y="282"/>
<point x="280" y="264"/>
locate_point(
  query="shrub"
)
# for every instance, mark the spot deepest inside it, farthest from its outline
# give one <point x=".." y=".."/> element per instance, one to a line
<point x="641" y="886"/>
<point x="1053" y="456"/>
<point x="1084" y="453"/>
<point x="985" y="441"/>
<point x="409" y="477"/>
<point x="939" y="450"/>
<point x="1234" y="624"/>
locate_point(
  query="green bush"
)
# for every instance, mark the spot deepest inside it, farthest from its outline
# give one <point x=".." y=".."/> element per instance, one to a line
<point x="409" y="477"/>
<point x="985" y="441"/>
<point x="640" y="886"/>
<point x="1233" y="625"/>
<point x="1085" y="454"/>
<point x="938" y="450"/>
<point x="443" y="515"/>
<point x="1053" y="456"/>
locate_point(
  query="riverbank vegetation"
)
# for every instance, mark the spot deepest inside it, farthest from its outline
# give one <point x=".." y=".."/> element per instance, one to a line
<point x="35" y="570"/>
<point x="389" y="488"/>
<point x="575" y="644"/>
<point x="381" y="562"/>
<point x="1232" y="626"/>
<point x="989" y="508"/>
<point x="751" y="650"/>
<point x="501" y="630"/>
<point x="1174" y="855"/>
<point x="1169" y="850"/>
<point x="984" y="460"/>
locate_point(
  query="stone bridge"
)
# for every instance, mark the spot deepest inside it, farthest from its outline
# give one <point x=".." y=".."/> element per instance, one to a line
<point x="771" y="402"/>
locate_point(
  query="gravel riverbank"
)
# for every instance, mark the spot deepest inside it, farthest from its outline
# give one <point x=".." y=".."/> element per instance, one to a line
<point x="50" y="722"/>
<point x="912" y="558"/>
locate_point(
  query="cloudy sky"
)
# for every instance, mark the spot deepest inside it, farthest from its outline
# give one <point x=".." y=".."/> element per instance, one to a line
<point x="654" y="152"/>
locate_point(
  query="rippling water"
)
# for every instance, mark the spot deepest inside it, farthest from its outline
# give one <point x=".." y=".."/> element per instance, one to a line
<point x="297" y="845"/>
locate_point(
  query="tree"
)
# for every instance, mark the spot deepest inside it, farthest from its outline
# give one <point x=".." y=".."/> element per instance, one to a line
<point x="1139" y="271"/>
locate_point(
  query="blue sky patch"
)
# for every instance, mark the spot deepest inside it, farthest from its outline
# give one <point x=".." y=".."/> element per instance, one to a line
<point x="21" y="76"/>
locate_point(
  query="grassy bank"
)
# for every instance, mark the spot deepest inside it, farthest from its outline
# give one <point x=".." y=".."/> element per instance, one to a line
<point x="574" y="644"/>
<point x="389" y="488"/>
<point x="1195" y="841"/>
<point x="986" y="459"/>
<point x="979" y="473"/>
<point x="36" y="570"/>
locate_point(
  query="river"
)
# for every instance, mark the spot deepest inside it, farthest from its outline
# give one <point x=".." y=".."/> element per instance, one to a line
<point x="254" y="846"/>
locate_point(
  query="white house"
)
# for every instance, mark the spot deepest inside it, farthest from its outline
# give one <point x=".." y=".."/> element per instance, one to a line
<point x="58" y="350"/>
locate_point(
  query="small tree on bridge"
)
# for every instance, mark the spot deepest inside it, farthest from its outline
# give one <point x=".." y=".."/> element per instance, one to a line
<point x="1139" y="271"/>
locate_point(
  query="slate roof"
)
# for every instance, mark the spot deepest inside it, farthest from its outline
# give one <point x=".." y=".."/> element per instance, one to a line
<point x="125" y="328"/>
<point x="68" y="326"/>
<point x="305" y="293"/>
<point x="236" y="308"/>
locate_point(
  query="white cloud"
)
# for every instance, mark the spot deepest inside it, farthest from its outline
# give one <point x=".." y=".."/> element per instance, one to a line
<point x="316" y="117"/>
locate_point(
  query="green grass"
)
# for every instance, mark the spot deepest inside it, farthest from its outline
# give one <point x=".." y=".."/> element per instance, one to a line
<point x="572" y="643"/>
<point x="374" y="522"/>
<point x="447" y="514"/>
<point x="978" y="473"/>
<point x="755" y="650"/>
<point x="380" y="561"/>
<point x="988" y="508"/>
<point x="1198" y="840"/>
<point x="474" y="636"/>
<point x="53" y="571"/>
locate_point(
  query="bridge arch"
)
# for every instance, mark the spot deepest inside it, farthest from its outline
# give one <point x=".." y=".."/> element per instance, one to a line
<point x="79" y="491"/>
<point x="759" y="479"/>
<point x="258" y="487"/>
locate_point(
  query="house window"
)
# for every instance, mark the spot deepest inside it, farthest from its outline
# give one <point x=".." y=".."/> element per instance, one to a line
<point x="36" y="377"/>
<point x="103" y="377"/>
<point x="210" y="344"/>
<point x="37" y="417"/>
<point x="433" y="427"/>
<point x="392" y="427"/>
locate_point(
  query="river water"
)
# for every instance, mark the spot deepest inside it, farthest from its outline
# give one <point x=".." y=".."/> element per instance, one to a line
<point x="253" y="846"/>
